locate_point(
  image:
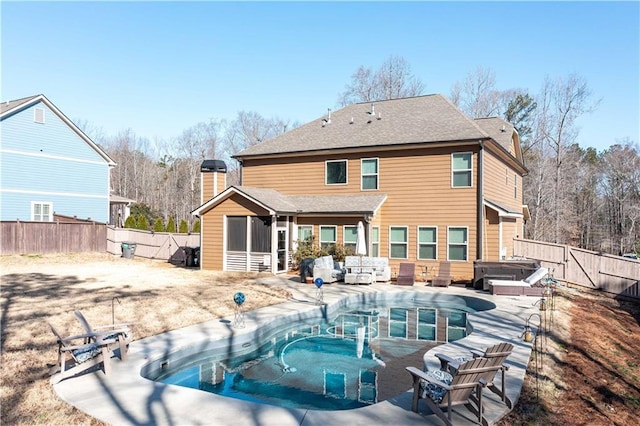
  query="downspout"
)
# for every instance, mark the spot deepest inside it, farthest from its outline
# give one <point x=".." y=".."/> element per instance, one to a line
<point x="239" y="172"/>
<point x="480" y="206"/>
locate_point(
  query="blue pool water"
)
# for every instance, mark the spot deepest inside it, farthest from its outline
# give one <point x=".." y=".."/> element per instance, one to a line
<point x="351" y="361"/>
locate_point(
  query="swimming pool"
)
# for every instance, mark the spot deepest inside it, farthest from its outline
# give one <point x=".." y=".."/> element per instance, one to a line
<point x="345" y="362"/>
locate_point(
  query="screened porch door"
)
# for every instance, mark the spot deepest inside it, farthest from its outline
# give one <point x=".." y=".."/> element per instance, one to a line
<point x="282" y="249"/>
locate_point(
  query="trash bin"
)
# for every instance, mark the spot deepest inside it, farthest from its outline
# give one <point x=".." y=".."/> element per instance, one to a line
<point x="128" y="249"/>
<point x="192" y="256"/>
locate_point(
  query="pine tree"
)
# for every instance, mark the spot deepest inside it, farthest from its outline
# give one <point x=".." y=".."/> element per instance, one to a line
<point x="158" y="226"/>
<point x="184" y="227"/>
<point x="196" y="227"/>
<point x="142" y="223"/>
<point x="171" y="225"/>
<point x="130" y="222"/>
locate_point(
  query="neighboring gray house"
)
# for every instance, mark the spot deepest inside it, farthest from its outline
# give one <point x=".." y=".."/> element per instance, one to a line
<point x="48" y="165"/>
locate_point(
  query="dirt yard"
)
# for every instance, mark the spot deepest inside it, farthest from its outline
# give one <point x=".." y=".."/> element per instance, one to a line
<point x="587" y="372"/>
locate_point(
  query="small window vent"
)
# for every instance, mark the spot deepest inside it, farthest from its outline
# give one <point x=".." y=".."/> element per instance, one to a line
<point x="38" y="115"/>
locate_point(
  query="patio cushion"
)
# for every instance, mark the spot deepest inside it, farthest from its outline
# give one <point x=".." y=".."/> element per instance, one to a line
<point x="433" y="391"/>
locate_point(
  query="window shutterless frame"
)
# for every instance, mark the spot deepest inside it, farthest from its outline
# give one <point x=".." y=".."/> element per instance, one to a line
<point x="335" y="172"/>
<point x="461" y="169"/>
<point x="369" y="174"/>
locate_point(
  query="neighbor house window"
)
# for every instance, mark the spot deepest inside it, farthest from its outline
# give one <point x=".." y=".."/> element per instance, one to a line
<point x="336" y="172"/>
<point x="427" y="242"/>
<point x="350" y="237"/>
<point x="398" y="242"/>
<point x="237" y="233"/>
<point x="457" y="243"/>
<point x="41" y="212"/>
<point x="328" y="237"/>
<point x="305" y="232"/>
<point x="461" y="169"/>
<point x="369" y="167"/>
<point x="375" y="241"/>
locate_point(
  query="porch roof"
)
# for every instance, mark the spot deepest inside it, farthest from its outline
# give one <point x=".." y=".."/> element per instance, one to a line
<point x="503" y="210"/>
<point x="278" y="203"/>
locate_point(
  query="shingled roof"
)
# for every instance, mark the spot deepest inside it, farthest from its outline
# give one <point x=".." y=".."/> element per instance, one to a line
<point x="500" y="130"/>
<point x="9" y="105"/>
<point x="280" y="203"/>
<point x="430" y="118"/>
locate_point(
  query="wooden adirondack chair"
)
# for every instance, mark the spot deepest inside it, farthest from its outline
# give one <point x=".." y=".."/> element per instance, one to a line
<point x="121" y="333"/>
<point x="498" y="353"/>
<point x="443" y="391"/>
<point x="74" y="358"/>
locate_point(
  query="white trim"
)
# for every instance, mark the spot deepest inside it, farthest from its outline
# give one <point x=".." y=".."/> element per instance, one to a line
<point x="377" y="174"/>
<point x="406" y="243"/>
<point x="418" y="241"/>
<point x="501" y="212"/>
<point x="346" y="176"/>
<point x="226" y="194"/>
<point x="470" y="170"/>
<point x="466" y="243"/>
<point x="335" y="227"/>
<point x="56" y="111"/>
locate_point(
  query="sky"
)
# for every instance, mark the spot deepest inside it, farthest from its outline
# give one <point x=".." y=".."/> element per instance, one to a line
<point x="158" y="68"/>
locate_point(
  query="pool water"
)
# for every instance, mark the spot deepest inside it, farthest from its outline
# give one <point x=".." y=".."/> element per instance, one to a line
<point x="354" y="360"/>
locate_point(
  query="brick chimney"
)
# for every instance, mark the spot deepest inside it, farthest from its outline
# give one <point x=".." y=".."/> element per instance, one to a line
<point x="213" y="179"/>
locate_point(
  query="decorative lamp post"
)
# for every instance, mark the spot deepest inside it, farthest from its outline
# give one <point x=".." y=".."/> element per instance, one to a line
<point x="238" y="319"/>
<point x="319" y="297"/>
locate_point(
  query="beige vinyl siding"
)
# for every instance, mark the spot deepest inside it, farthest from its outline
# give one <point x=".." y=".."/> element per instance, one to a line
<point x="417" y="184"/>
<point x="491" y="243"/>
<point x="213" y="227"/>
<point x="496" y="187"/>
<point x="206" y="181"/>
<point x="509" y="231"/>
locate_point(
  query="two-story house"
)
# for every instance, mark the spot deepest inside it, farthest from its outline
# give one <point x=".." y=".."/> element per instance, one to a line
<point x="48" y="165"/>
<point x="429" y="183"/>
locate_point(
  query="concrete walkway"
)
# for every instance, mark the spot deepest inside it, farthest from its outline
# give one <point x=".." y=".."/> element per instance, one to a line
<point x="124" y="397"/>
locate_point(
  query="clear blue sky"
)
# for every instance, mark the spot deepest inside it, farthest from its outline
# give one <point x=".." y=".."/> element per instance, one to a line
<point x="161" y="67"/>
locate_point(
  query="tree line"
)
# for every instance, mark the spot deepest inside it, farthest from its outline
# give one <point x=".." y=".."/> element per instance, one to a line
<point x="575" y="195"/>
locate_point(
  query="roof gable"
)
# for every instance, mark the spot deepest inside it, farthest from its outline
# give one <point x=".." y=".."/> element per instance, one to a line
<point x="10" y="108"/>
<point x="421" y="119"/>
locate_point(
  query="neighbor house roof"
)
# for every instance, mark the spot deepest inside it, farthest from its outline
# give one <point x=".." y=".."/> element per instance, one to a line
<point x="9" y="108"/>
<point x="277" y="203"/>
<point x="430" y="118"/>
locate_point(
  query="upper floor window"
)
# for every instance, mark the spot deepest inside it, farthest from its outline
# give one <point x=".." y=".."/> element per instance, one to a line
<point x="369" y="167"/>
<point x="515" y="186"/>
<point x="461" y="169"/>
<point x="458" y="243"/>
<point x="398" y="242"/>
<point x="336" y="172"/>
<point x="38" y="115"/>
<point x="328" y="237"/>
<point x="427" y="242"/>
<point x="350" y="237"/>
<point x="41" y="212"/>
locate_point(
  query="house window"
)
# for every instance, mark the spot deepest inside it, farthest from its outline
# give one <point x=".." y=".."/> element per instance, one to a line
<point x="336" y="172"/>
<point x="260" y="234"/>
<point x="515" y="186"/>
<point x="328" y="237"/>
<point x="369" y="169"/>
<point x="375" y="241"/>
<point x="350" y="237"/>
<point x="427" y="242"/>
<point x="38" y="115"/>
<point x="41" y="212"/>
<point x="398" y="242"/>
<point x="457" y="243"/>
<point x="461" y="169"/>
<point x="305" y="232"/>
<point x="237" y="233"/>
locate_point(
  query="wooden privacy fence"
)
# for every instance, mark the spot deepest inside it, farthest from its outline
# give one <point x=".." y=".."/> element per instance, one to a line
<point x="611" y="274"/>
<point x="19" y="237"/>
<point x="150" y="245"/>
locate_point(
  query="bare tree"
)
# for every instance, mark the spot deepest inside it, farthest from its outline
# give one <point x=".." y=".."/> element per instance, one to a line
<point x="392" y="80"/>
<point x="477" y="96"/>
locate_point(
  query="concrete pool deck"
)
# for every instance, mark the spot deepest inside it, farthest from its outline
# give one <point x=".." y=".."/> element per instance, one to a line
<point x="125" y="397"/>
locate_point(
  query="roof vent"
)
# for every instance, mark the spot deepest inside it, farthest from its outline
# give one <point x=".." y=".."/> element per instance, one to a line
<point x="379" y="116"/>
<point x="351" y="122"/>
<point x="373" y="109"/>
<point x="504" y="129"/>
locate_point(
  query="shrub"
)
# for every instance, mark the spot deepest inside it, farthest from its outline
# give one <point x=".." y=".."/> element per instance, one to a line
<point x="142" y="223"/>
<point x="196" y="227"/>
<point x="130" y="222"/>
<point x="171" y="225"/>
<point x="158" y="226"/>
<point x="184" y="227"/>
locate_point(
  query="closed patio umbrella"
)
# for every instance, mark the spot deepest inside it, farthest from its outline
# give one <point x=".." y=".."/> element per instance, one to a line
<point x="361" y="244"/>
